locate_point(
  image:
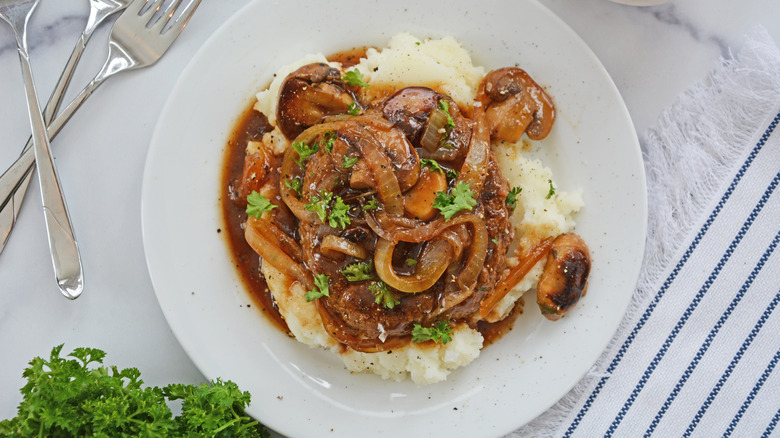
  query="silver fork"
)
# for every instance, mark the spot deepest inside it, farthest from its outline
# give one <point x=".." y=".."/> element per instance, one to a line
<point x="62" y="241"/>
<point x="99" y="10"/>
<point x="136" y="41"/>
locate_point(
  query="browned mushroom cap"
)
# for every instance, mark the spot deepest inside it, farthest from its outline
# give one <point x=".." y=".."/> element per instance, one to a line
<point x="515" y="100"/>
<point x="409" y="109"/>
<point x="309" y="94"/>
<point x="565" y="276"/>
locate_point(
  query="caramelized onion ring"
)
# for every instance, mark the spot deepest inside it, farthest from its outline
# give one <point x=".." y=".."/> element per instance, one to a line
<point x="515" y="275"/>
<point x="434" y="260"/>
<point x="474" y="169"/>
<point x="334" y="244"/>
<point x="257" y="236"/>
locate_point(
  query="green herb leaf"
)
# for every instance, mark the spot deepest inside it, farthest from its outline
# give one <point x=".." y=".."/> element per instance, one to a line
<point x="411" y="262"/>
<point x="328" y="139"/>
<point x="257" y="204"/>
<point x="347" y="162"/>
<point x="321" y="282"/>
<point x="462" y="198"/>
<point x="552" y="190"/>
<point x="304" y="151"/>
<point x="441" y="333"/>
<point x="354" y="78"/>
<point x="383" y="294"/>
<point x="353" y="109"/>
<point x="432" y="164"/>
<point x="81" y="397"/>
<point x="494" y="240"/>
<point x="359" y="271"/>
<point x="338" y="214"/>
<point x="445" y="106"/>
<point x="371" y="205"/>
<point x="511" y="198"/>
<point x="319" y="204"/>
<point x="294" y="184"/>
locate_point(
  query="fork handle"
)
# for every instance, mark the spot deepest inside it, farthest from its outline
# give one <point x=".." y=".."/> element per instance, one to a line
<point x="62" y="241"/>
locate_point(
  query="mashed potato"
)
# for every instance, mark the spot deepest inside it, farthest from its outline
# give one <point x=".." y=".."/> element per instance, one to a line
<point x="445" y="66"/>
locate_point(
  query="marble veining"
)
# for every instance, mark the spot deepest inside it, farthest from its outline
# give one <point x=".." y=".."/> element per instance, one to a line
<point x="670" y="15"/>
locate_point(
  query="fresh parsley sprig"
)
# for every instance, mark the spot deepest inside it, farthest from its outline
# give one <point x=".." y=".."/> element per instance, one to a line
<point x="359" y="271"/>
<point x="319" y="204"/>
<point x="354" y="78"/>
<point x="321" y="283"/>
<point x="461" y="198"/>
<point x="258" y="204"/>
<point x="338" y="214"/>
<point x="511" y="198"/>
<point x="304" y="151"/>
<point x="383" y="294"/>
<point x="552" y="190"/>
<point x="77" y="396"/>
<point x="441" y="332"/>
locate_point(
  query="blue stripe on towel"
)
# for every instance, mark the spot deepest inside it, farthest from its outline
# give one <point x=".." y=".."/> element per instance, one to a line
<point x="730" y="368"/>
<point x="772" y="424"/>
<point x="653" y="304"/>
<point x="692" y="306"/>
<point x="715" y="330"/>
<point x="754" y="391"/>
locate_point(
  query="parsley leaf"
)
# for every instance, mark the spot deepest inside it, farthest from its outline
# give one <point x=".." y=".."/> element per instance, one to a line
<point x="359" y="271"/>
<point x="371" y="205"/>
<point x="347" y="162"/>
<point x="511" y="198"/>
<point x="258" y="204"/>
<point x="440" y="333"/>
<point x="383" y="294"/>
<point x="338" y="214"/>
<point x="462" y="198"/>
<point x="78" y="396"/>
<point x="329" y="138"/>
<point x="319" y="204"/>
<point x="445" y="107"/>
<point x="353" y="109"/>
<point x="354" y="78"/>
<point x="304" y="151"/>
<point x="552" y="190"/>
<point x="432" y="164"/>
<point x="295" y="184"/>
<point x="411" y="262"/>
<point x="320" y="290"/>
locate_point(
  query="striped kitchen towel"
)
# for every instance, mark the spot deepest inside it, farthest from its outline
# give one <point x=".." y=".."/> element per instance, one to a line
<point x="697" y="353"/>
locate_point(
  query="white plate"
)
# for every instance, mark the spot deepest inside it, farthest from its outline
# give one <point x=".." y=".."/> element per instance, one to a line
<point x="307" y="392"/>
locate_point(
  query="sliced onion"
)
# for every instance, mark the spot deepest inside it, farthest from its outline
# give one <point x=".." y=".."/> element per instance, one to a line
<point x="474" y="169"/>
<point x="434" y="260"/>
<point x="334" y="244"/>
<point x="256" y="235"/>
<point x="388" y="189"/>
<point x="338" y="332"/>
<point x="434" y="130"/>
<point x="515" y="275"/>
<point x="476" y="255"/>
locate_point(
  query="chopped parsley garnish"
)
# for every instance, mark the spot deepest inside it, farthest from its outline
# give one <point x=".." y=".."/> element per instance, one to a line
<point x="338" y="214"/>
<point x="552" y="190"/>
<point x="320" y="290"/>
<point x="304" y="151"/>
<point x="411" y="262"/>
<point x="354" y="78"/>
<point x="494" y="240"/>
<point x="359" y="271"/>
<point x="353" y="109"/>
<point x="511" y="198"/>
<point x="371" y="205"/>
<point x="462" y="198"/>
<point x="319" y="204"/>
<point x="295" y="184"/>
<point x="328" y="139"/>
<point x="432" y="164"/>
<point x="347" y="162"/>
<point x="383" y="294"/>
<point x="258" y="204"/>
<point x="445" y="107"/>
<point x="440" y="332"/>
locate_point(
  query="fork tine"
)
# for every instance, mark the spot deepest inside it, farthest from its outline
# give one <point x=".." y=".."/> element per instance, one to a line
<point x="135" y="7"/>
<point x="184" y="18"/>
<point x="155" y="6"/>
<point x="165" y="17"/>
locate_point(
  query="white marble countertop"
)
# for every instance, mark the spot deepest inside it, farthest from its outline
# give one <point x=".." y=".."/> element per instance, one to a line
<point x="651" y="53"/>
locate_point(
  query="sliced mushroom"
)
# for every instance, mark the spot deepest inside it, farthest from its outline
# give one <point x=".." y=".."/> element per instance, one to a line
<point x="309" y="94"/>
<point x="516" y="104"/>
<point x="409" y="109"/>
<point x="565" y="277"/>
<point x="418" y="201"/>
